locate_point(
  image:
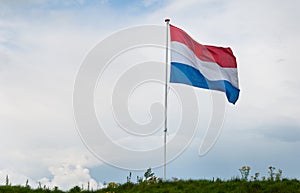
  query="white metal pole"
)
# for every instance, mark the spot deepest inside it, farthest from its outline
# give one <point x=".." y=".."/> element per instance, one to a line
<point x="166" y="100"/>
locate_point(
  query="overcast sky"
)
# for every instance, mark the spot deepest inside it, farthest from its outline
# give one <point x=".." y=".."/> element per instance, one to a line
<point x="43" y="44"/>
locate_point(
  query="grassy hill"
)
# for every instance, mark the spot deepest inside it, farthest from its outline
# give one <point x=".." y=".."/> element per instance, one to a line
<point x="151" y="184"/>
<point x="197" y="186"/>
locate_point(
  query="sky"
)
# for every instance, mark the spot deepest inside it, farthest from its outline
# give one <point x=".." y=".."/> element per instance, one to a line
<point x="44" y="43"/>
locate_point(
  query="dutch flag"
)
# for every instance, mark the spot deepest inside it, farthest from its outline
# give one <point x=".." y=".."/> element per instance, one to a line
<point x="203" y="66"/>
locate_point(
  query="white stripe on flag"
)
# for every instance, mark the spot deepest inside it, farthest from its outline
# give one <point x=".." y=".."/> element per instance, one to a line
<point x="212" y="71"/>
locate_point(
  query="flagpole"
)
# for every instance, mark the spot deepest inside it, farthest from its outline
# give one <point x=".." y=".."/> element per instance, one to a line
<point x="166" y="100"/>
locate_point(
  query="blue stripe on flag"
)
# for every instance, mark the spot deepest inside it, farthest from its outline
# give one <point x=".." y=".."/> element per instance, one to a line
<point x="185" y="74"/>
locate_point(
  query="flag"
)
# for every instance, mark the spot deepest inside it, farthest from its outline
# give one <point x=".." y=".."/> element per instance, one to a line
<point x="203" y="66"/>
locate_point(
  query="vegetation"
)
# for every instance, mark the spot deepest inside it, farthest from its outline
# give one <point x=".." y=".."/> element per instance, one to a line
<point x="197" y="186"/>
<point x="150" y="183"/>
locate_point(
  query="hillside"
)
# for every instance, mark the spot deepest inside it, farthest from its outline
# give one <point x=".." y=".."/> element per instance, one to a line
<point x="197" y="186"/>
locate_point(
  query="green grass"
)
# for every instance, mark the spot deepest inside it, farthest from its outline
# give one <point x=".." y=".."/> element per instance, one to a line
<point x="197" y="186"/>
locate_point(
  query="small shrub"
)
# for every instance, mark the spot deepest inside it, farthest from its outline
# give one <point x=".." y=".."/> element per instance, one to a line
<point x="113" y="185"/>
<point x="148" y="174"/>
<point x="278" y="175"/>
<point x="6" y="181"/>
<point x="129" y="178"/>
<point x="255" y="177"/>
<point x="75" y="189"/>
<point x="245" y="170"/>
<point x="271" y="173"/>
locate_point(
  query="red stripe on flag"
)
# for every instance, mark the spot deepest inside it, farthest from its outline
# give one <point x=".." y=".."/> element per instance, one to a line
<point x="222" y="56"/>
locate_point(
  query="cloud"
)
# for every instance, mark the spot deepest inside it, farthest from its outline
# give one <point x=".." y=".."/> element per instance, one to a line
<point x="286" y="130"/>
<point x="68" y="176"/>
<point x="64" y="177"/>
<point x="15" y="177"/>
<point x="284" y="133"/>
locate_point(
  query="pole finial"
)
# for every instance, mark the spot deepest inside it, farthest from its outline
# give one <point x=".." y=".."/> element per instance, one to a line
<point x="167" y="20"/>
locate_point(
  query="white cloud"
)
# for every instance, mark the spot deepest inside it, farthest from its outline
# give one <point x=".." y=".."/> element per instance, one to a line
<point x="68" y="176"/>
<point x="15" y="178"/>
<point x="64" y="177"/>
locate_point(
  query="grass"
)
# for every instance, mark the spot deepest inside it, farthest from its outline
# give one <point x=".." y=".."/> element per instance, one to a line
<point x="191" y="186"/>
<point x="151" y="184"/>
